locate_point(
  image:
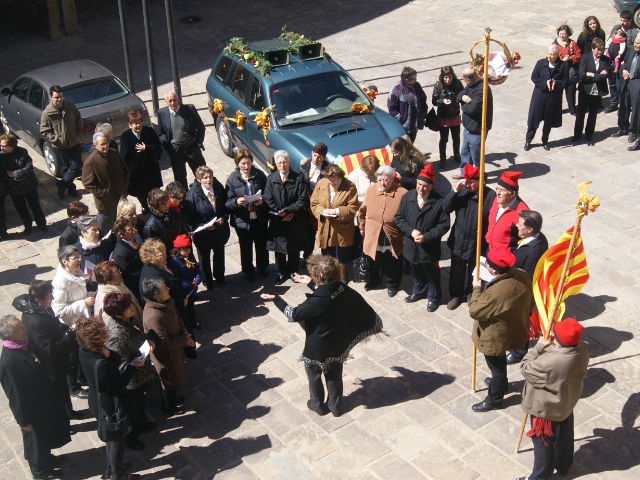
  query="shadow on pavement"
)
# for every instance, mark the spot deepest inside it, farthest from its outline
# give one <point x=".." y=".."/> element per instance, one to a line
<point x="386" y="391"/>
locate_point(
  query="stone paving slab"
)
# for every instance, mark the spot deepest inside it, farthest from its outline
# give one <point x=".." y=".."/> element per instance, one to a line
<point x="407" y="394"/>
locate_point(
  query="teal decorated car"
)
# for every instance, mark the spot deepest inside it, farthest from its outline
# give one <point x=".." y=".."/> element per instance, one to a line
<point x="288" y="93"/>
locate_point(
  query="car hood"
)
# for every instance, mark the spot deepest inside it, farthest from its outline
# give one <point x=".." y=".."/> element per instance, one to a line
<point x="114" y="112"/>
<point x="342" y="137"/>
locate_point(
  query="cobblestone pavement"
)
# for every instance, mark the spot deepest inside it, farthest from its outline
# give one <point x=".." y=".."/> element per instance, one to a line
<point x="408" y="393"/>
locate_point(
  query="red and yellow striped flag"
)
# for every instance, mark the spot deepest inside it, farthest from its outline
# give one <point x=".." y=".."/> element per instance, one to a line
<point x="546" y="277"/>
<point x="348" y="163"/>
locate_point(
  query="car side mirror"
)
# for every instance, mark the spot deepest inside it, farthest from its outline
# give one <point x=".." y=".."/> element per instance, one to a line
<point x="5" y="91"/>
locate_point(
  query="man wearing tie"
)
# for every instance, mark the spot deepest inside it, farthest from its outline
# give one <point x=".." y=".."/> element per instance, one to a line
<point x="181" y="133"/>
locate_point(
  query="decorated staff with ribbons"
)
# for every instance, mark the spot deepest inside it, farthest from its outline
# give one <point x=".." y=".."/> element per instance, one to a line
<point x="554" y="371"/>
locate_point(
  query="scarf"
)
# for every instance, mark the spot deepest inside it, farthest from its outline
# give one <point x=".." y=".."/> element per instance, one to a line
<point x="86" y="245"/>
<point x="11" y="345"/>
<point x="561" y="43"/>
<point x="540" y="428"/>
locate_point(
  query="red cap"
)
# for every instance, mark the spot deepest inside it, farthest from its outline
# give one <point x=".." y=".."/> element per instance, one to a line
<point x="500" y="258"/>
<point x="509" y="180"/>
<point x="427" y="174"/>
<point x="182" y="241"/>
<point x="470" y="172"/>
<point x="568" y="332"/>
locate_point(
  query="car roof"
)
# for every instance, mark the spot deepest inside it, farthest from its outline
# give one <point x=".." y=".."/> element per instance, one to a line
<point x="68" y="73"/>
<point x="296" y="67"/>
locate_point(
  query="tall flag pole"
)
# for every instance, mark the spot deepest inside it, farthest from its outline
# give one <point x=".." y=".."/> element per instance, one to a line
<point x="489" y="76"/>
<point x="560" y="273"/>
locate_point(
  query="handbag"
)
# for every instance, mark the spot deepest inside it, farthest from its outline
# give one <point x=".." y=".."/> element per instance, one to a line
<point x="432" y="122"/>
<point x="361" y="266"/>
<point x="574" y="76"/>
<point x="110" y="427"/>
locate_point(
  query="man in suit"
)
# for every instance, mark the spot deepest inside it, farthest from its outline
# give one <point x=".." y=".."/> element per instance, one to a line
<point x="313" y="169"/>
<point x="594" y="72"/>
<point x="631" y="78"/>
<point x="181" y="133"/>
<point x="532" y="245"/>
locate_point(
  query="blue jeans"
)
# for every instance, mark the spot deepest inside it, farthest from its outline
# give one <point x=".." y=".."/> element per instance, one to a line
<point x="470" y="151"/>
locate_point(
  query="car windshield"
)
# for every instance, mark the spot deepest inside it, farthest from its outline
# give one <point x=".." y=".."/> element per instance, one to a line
<point x="316" y="98"/>
<point x="94" y="92"/>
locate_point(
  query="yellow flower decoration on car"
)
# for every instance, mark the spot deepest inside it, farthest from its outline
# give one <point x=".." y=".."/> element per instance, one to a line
<point x="218" y="107"/>
<point x="359" y="108"/>
<point x="238" y="120"/>
<point x="263" y="120"/>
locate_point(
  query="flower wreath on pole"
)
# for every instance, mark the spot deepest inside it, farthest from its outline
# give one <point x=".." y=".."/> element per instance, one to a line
<point x="500" y="63"/>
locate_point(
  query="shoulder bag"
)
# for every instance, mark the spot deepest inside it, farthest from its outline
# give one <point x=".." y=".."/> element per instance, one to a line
<point x="110" y="427"/>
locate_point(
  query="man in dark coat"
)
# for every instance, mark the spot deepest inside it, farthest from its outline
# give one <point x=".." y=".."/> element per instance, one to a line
<point x="287" y="196"/>
<point x="105" y="175"/>
<point x="140" y="150"/>
<point x="181" y="133"/>
<point x="532" y="245"/>
<point x="500" y="320"/>
<point x="423" y="219"/>
<point x="549" y="79"/>
<point x="470" y="99"/>
<point x="35" y="407"/>
<point x="463" y="200"/>
<point x="554" y="373"/>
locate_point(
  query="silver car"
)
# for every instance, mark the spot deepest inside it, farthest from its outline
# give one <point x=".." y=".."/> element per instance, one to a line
<point x="97" y="93"/>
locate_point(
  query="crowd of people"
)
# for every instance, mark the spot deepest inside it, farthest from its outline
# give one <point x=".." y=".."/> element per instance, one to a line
<point x="120" y="310"/>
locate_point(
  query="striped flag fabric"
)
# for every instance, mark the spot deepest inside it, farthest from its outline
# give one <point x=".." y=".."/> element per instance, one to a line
<point x="547" y="275"/>
<point x="348" y="163"/>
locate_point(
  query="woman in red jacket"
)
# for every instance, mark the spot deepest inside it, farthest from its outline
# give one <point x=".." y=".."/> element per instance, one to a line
<point x="569" y="52"/>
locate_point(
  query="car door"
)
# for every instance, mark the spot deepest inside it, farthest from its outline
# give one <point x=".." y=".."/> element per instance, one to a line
<point x="15" y="105"/>
<point x="32" y="112"/>
<point x="256" y="101"/>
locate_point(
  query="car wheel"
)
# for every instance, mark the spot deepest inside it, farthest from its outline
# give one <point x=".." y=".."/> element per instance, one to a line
<point x="224" y="136"/>
<point x="51" y="159"/>
<point x="5" y="123"/>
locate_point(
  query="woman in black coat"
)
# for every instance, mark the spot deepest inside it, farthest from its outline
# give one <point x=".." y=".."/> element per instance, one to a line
<point x="36" y="408"/>
<point x="445" y="93"/>
<point x="56" y="340"/>
<point x="248" y="218"/>
<point x="205" y="201"/>
<point x="549" y="79"/>
<point x="92" y="247"/>
<point x="335" y="318"/>
<point x="140" y="150"/>
<point x="101" y="367"/>
<point x="16" y="168"/>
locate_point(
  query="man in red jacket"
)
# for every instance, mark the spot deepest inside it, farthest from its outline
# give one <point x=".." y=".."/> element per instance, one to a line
<point x="503" y="215"/>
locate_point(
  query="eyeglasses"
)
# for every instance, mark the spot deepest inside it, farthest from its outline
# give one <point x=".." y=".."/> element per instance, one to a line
<point x="73" y="257"/>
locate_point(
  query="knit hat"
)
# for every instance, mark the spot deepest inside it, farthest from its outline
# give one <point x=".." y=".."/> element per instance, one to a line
<point x="500" y="259"/>
<point x="182" y="241"/>
<point x="470" y="172"/>
<point x="509" y="180"/>
<point x="427" y="174"/>
<point x="568" y="332"/>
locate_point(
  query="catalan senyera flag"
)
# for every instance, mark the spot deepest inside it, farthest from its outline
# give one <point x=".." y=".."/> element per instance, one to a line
<point x="546" y="277"/>
<point x="348" y="163"/>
